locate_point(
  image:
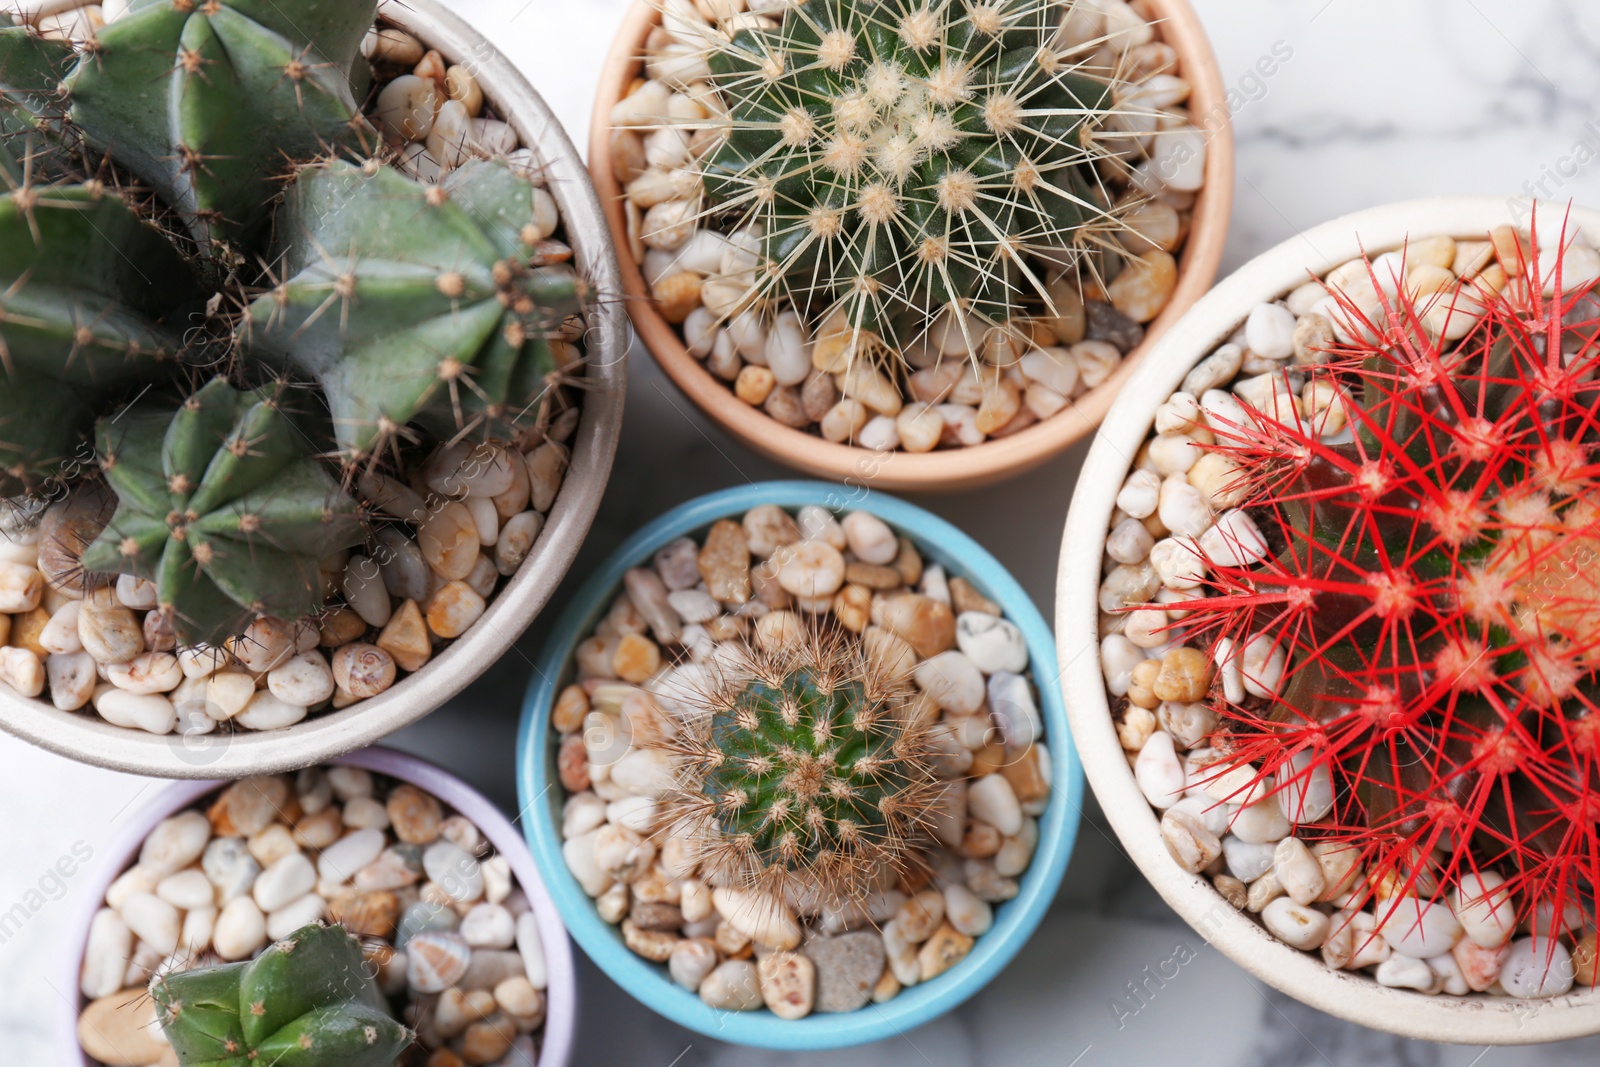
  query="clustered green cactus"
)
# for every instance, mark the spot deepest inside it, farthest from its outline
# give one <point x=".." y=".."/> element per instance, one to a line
<point x="906" y="157"/>
<point x="90" y="306"/>
<point x="30" y="69"/>
<point x="804" y="767"/>
<point x="413" y="303"/>
<point x="307" y="1001"/>
<point x="192" y="192"/>
<point x="222" y="507"/>
<point x="209" y="103"/>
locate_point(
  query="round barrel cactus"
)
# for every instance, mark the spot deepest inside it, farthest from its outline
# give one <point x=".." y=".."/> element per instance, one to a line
<point x="804" y="765"/>
<point x="1405" y="614"/>
<point x="902" y="158"/>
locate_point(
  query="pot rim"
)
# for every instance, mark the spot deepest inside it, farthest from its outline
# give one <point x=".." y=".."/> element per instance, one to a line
<point x="1476" y="1019"/>
<point x="86" y="738"/>
<point x="539" y="790"/>
<point x="561" y="994"/>
<point x="946" y="469"/>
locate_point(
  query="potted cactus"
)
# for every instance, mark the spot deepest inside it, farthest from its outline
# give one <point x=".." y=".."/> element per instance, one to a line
<point x="921" y="243"/>
<point x="1339" y="714"/>
<point x="294" y="376"/>
<point x="371" y="911"/>
<point x="310" y="995"/>
<point x="798" y="773"/>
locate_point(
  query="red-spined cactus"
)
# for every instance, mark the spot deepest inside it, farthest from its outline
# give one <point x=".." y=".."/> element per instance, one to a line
<point x="1431" y="578"/>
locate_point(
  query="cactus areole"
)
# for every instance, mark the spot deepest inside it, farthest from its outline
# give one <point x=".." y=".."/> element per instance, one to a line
<point x="307" y="1001"/>
<point x="1430" y="576"/>
<point x="902" y="158"/>
<point x="804" y="767"/>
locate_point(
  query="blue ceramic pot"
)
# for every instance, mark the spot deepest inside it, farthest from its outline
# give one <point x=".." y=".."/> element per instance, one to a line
<point x="542" y="794"/>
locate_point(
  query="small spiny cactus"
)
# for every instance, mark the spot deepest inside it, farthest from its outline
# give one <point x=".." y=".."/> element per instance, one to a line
<point x="222" y="506"/>
<point x="909" y="163"/>
<point x="803" y="767"/>
<point x="1429" y="577"/>
<point x="309" y="1001"/>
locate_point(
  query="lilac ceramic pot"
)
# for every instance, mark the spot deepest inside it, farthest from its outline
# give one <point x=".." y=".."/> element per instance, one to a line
<point x="561" y="1006"/>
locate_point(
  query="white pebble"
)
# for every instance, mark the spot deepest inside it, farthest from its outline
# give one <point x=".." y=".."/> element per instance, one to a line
<point x="285" y="880"/>
<point x="341" y="860"/>
<point x="1415" y="927"/>
<point x="1484" y="908"/>
<point x="991" y="643"/>
<point x="1536" y="967"/>
<point x="1404" y="972"/>
<point x="1295" y="924"/>
<point x="1159" y="772"/>
<point x="992" y="799"/>
<point x="1269" y="331"/>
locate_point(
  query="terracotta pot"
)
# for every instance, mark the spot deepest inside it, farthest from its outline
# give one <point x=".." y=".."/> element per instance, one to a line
<point x="84" y="736"/>
<point x="945" y="469"/>
<point x="1477" y="1019"/>
<point x="561" y="995"/>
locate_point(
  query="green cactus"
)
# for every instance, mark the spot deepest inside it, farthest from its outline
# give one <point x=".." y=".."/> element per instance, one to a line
<point x="31" y="69"/>
<point x="222" y="506"/>
<point x="306" y="1001"/>
<point x="212" y="101"/>
<point x="90" y="307"/>
<point x="809" y="767"/>
<point x="902" y="157"/>
<point x="415" y="303"/>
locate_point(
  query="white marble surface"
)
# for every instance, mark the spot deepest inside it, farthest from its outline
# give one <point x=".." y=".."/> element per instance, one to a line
<point x="1380" y="100"/>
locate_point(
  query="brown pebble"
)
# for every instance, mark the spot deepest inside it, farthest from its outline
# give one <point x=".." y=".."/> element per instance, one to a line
<point x="964" y="598"/>
<point x="818" y="394"/>
<point x="488" y="1041"/>
<point x="572" y="764"/>
<point x="927" y="625"/>
<point x="908" y="562"/>
<point x="677" y="295"/>
<point x="724" y="562"/>
<point x="319" y="830"/>
<point x="571" y="706"/>
<point x="340" y="627"/>
<point x="852" y="606"/>
<point x="872" y="575"/>
<point x="785" y="406"/>
<point x="26" y="628"/>
<point x="947" y="947"/>
<point x="1026" y="775"/>
<point x="636" y="658"/>
<point x="250" y="805"/>
<point x="980" y="841"/>
<point x="414" y="815"/>
<point x="653" y="945"/>
<point x="754" y="384"/>
<point x="652" y="915"/>
<point x="406" y="638"/>
<point x="366" y="914"/>
<point x="1185" y="676"/>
